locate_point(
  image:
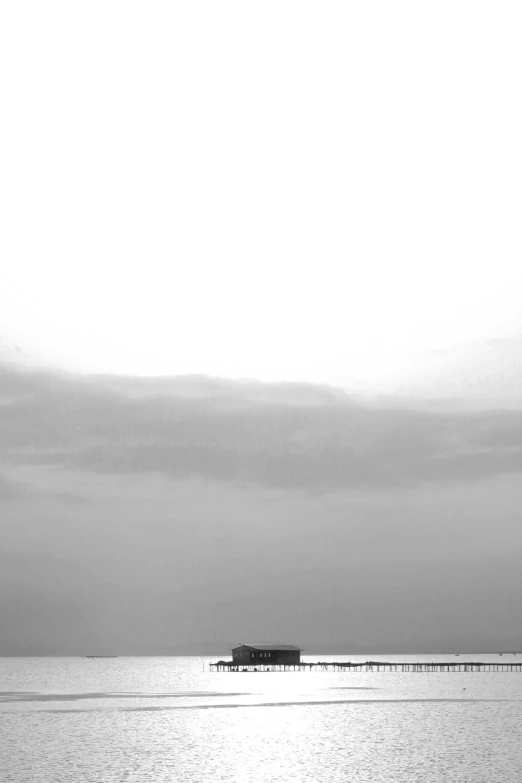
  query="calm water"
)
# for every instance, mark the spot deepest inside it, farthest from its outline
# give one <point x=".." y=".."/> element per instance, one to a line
<point x="170" y="719"/>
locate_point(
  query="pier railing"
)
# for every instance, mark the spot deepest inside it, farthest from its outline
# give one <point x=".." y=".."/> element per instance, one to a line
<point x="373" y="666"/>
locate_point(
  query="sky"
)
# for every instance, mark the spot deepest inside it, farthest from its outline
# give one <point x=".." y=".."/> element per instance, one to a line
<point x="186" y="515"/>
<point x="283" y="191"/>
<point x="260" y="326"/>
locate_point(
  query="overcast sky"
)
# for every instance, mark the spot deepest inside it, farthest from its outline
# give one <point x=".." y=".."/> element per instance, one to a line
<point x="278" y="190"/>
<point x="326" y="194"/>
<point x="159" y="516"/>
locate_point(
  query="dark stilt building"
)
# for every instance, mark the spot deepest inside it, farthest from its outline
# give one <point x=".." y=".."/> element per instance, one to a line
<point x="266" y="654"/>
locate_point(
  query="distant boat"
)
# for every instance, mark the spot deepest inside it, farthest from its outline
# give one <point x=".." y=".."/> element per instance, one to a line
<point x="102" y="656"/>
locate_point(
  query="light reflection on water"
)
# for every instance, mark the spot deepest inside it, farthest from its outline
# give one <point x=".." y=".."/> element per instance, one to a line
<point x="156" y="719"/>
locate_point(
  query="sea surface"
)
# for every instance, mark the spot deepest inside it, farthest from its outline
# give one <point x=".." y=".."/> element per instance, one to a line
<point x="134" y="720"/>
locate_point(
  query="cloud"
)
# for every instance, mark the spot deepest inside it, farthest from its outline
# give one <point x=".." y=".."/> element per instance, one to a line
<point x="279" y="435"/>
<point x="151" y="563"/>
<point x="138" y="515"/>
<point x="5" y="489"/>
<point x="473" y="373"/>
<point x="10" y="490"/>
<point x="23" y="488"/>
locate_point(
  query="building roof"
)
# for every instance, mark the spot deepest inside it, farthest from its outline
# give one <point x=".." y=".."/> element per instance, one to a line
<point x="271" y="647"/>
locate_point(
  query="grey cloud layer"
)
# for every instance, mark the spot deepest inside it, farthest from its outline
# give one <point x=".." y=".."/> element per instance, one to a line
<point x="285" y="435"/>
<point x="105" y="554"/>
<point x="6" y="490"/>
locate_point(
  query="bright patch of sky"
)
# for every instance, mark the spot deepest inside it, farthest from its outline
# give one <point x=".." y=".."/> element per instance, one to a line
<point x="282" y="190"/>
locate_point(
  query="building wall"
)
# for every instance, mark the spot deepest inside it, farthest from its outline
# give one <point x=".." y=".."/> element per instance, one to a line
<point x="241" y="655"/>
<point x="288" y="656"/>
<point x="247" y="656"/>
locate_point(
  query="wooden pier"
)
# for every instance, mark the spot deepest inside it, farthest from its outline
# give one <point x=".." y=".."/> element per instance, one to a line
<point x="372" y="666"/>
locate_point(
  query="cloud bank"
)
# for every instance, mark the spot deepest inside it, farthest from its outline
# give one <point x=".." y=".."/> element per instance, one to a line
<point x="164" y="515"/>
<point x="282" y="435"/>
